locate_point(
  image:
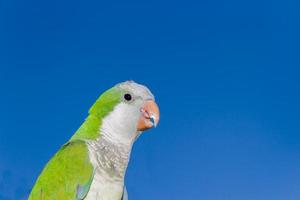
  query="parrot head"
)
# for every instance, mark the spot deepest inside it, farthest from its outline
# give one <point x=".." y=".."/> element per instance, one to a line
<point x="124" y="111"/>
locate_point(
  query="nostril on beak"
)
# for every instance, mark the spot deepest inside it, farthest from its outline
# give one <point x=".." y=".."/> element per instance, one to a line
<point x="145" y="113"/>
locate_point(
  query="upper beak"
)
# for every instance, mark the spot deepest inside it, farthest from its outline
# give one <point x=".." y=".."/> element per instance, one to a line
<point x="149" y="116"/>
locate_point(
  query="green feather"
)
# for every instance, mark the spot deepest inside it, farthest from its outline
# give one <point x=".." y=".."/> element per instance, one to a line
<point x="102" y="107"/>
<point x="82" y="190"/>
<point x="60" y="178"/>
<point x="70" y="168"/>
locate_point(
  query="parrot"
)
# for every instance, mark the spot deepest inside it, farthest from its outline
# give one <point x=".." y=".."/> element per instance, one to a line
<point x="92" y="164"/>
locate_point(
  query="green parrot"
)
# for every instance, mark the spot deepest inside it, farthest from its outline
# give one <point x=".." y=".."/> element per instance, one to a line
<point x="92" y="164"/>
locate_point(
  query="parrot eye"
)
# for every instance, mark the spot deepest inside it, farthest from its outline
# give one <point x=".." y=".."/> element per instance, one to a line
<point x="127" y="97"/>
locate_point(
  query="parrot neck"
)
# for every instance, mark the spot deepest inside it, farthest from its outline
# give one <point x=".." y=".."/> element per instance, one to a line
<point x="109" y="158"/>
<point x="111" y="150"/>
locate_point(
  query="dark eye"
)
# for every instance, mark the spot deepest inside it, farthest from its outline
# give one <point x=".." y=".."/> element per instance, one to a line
<point x="127" y="97"/>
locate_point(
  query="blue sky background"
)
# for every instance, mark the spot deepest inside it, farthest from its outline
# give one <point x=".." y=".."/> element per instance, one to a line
<point x="225" y="74"/>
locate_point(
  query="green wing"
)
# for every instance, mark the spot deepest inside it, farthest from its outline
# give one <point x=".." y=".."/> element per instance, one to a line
<point x="67" y="176"/>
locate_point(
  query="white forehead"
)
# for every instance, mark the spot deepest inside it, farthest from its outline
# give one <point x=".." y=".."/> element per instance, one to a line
<point x="136" y="89"/>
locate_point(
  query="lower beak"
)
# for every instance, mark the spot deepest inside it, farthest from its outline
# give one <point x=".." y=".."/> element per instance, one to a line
<point x="149" y="116"/>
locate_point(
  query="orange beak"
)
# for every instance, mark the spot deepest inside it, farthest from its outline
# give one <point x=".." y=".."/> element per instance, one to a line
<point x="149" y="116"/>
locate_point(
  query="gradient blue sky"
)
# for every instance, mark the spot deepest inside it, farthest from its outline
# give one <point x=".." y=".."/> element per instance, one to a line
<point x="225" y="74"/>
